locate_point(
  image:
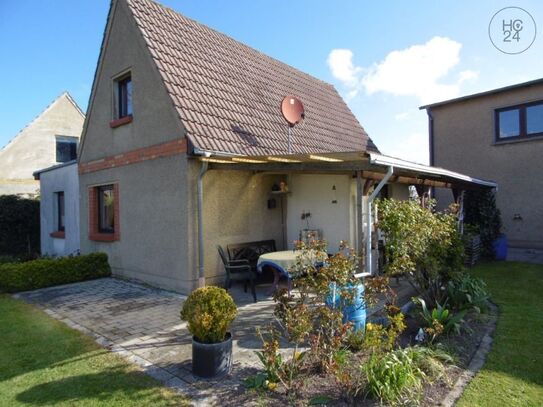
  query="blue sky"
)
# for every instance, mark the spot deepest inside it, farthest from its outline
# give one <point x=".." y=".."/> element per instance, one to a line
<point x="385" y="58"/>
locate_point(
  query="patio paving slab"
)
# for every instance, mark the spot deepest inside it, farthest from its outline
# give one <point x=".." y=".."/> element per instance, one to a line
<point x="142" y="324"/>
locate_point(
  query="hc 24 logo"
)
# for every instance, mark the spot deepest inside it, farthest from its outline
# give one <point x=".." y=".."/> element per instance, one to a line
<point x="511" y="30"/>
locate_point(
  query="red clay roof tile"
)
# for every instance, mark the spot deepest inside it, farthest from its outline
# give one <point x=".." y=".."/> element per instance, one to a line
<point x="228" y="95"/>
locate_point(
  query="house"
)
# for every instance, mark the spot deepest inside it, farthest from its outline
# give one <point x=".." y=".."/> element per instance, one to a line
<point x="59" y="209"/>
<point x="184" y="147"/>
<point x="51" y="138"/>
<point x="497" y="134"/>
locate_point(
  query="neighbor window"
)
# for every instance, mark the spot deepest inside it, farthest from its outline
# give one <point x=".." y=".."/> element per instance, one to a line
<point x="106" y="213"/>
<point x="534" y="119"/>
<point x="60" y="211"/>
<point x="66" y="148"/>
<point x="520" y="121"/>
<point x="124" y="97"/>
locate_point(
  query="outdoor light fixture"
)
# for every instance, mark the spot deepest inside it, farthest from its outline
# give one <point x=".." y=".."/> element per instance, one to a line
<point x="247" y="160"/>
<point x="216" y="160"/>
<point x="322" y="158"/>
<point x="283" y="160"/>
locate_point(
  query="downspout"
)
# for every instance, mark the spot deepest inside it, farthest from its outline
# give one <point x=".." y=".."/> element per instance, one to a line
<point x="431" y="144"/>
<point x="200" y="188"/>
<point x="369" y="223"/>
<point x="431" y="135"/>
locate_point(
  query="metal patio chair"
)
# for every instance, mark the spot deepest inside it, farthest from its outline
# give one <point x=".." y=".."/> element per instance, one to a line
<point x="238" y="270"/>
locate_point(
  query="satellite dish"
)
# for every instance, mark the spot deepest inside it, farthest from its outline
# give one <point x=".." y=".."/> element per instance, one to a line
<point x="292" y="109"/>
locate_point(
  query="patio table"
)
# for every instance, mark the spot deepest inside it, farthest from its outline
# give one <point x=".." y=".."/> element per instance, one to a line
<point x="281" y="262"/>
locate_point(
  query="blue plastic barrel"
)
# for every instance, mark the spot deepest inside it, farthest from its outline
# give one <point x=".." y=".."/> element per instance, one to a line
<point x="354" y="311"/>
<point x="500" y="247"/>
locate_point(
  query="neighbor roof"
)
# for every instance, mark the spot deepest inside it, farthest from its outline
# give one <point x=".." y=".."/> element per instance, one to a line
<point x="228" y="95"/>
<point x="485" y="93"/>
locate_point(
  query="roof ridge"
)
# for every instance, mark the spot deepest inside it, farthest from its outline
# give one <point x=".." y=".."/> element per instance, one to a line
<point x="237" y="41"/>
<point x="64" y="93"/>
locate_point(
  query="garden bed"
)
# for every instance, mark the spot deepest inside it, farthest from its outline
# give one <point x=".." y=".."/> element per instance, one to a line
<point x="321" y="389"/>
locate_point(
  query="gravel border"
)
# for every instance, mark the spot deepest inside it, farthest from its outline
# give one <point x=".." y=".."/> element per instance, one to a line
<point x="476" y="362"/>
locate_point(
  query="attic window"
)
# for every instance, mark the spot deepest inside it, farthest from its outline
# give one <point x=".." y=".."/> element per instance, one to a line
<point x="66" y="148"/>
<point x="124" y="96"/>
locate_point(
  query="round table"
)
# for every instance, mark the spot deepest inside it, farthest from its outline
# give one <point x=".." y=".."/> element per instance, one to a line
<point x="281" y="262"/>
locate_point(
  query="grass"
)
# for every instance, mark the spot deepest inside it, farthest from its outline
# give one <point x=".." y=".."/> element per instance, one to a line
<point x="513" y="372"/>
<point x="45" y="363"/>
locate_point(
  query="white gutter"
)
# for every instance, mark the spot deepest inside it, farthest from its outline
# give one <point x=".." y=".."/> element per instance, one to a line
<point x="384" y="160"/>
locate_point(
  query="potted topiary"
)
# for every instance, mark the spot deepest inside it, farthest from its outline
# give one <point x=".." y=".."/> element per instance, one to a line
<point x="209" y="312"/>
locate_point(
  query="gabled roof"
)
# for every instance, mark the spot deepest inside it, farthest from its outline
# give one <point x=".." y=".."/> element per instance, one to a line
<point x="228" y="95"/>
<point x="65" y="95"/>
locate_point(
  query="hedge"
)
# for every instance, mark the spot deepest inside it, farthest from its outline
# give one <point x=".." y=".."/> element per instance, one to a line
<point x="19" y="226"/>
<point x="47" y="272"/>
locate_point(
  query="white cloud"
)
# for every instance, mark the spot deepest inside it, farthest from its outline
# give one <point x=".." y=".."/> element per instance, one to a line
<point x="418" y="71"/>
<point x="340" y="62"/>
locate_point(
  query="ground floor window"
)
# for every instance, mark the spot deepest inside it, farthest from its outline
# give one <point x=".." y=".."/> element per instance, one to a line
<point x="60" y="211"/>
<point x="104" y="212"/>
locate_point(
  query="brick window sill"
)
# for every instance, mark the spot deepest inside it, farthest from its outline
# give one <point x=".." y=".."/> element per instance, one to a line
<point x="103" y="237"/>
<point x="58" y="234"/>
<point x="120" y="122"/>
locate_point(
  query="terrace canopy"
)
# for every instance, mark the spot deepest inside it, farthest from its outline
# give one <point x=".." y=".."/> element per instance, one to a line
<point x="370" y="170"/>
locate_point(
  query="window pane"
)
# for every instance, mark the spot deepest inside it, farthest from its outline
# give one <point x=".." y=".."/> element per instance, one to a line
<point x="125" y="97"/>
<point x="129" y="96"/>
<point x="66" y="148"/>
<point x="534" y="119"/>
<point x="105" y="205"/>
<point x="60" y="207"/>
<point x="509" y="123"/>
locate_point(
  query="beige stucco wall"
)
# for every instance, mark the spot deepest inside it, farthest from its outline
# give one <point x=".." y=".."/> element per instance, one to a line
<point x="153" y="245"/>
<point x="313" y="193"/>
<point x="235" y="211"/>
<point x="34" y="148"/>
<point x="154" y="119"/>
<point x="464" y="142"/>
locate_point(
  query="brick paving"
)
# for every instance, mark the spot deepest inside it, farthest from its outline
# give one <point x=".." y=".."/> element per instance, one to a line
<point x="142" y="324"/>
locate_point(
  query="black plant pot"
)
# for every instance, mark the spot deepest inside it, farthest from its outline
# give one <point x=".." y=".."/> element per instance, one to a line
<point x="212" y="359"/>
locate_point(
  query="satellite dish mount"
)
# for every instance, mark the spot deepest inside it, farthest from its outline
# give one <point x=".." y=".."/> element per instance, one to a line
<point x="293" y="112"/>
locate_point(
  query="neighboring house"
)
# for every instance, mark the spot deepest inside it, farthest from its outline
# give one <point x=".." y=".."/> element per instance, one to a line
<point x="498" y="135"/>
<point x="184" y="146"/>
<point x="51" y="138"/>
<point x="59" y="209"/>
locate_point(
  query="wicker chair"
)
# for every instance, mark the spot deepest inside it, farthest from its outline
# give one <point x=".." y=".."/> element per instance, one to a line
<point x="238" y="270"/>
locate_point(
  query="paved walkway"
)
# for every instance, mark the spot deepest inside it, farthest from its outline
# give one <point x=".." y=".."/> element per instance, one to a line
<point x="142" y="324"/>
<point x="525" y="255"/>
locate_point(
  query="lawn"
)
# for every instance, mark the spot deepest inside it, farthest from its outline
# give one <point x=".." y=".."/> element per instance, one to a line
<point x="513" y="372"/>
<point x="44" y="363"/>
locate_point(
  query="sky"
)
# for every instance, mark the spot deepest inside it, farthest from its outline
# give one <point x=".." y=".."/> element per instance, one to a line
<point x="385" y="58"/>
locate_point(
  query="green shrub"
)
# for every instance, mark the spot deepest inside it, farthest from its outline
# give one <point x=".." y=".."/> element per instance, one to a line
<point x="421" y="244"/>
<point x="209" y="312"/>
<point x="41" y="273"/>
<point x="19" y="226"/>
<point x="466" y="292"/>
<point x="483" y="215"/>
<point x="440" y="319"/>
<point x="394" y="378"/>
<point x="397" y="377"/>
